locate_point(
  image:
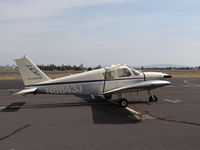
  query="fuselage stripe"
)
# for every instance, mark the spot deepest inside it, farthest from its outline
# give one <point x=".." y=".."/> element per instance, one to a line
<point x="76" y="82"/>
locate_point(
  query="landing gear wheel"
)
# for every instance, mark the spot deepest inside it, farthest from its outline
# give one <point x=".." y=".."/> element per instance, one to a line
<point x="123" y="103"/>
<point x="153" y="98"/>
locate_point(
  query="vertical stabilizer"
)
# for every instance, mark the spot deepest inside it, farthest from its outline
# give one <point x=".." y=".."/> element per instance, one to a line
<point x="29" y="72"/>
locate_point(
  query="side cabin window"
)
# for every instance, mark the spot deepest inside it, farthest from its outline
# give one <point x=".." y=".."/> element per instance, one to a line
<point x="123" y="72"/>
<point x="110" y="74"/>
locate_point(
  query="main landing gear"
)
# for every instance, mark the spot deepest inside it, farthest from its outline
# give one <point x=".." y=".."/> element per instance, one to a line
<point x="121" y="103"/>
<point x="152" y="98"/>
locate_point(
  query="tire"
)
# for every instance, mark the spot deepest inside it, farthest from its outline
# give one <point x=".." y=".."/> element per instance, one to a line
<point x="151" y="99"/>
<point x="123" y="103"/>
<point x="155" y="98"/>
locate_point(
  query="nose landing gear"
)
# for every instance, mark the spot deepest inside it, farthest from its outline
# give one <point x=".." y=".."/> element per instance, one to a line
<point x="152" y="98"/>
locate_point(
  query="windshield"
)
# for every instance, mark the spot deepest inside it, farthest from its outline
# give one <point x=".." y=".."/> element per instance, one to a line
<point x="124" y="72"/>
<point x="135" y="72"/>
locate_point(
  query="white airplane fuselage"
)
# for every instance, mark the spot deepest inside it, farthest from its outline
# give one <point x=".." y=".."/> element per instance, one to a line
<point x="92" y="82"/>
<point x="115" y="79"/>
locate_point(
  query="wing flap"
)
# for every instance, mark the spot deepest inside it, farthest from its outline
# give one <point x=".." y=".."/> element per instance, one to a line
<point x="26" y="91"/>
<point x="141" y="86"/>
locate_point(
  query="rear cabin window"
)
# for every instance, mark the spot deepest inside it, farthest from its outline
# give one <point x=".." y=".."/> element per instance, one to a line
<point x="123" y="72"/>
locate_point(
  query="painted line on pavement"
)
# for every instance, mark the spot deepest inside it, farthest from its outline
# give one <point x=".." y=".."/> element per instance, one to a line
<point x="139" y="115"/>
<point x="133" y="111"/>
<point x="193" y="84"/>
<point x="173" y="101"/>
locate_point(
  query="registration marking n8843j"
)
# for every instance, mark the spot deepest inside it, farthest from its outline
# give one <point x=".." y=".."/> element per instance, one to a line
<point x="76" y="89"/>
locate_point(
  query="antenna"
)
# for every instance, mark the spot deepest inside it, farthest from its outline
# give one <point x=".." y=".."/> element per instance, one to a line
<point x="83" y="69"/>
<point x="67" y="70"/>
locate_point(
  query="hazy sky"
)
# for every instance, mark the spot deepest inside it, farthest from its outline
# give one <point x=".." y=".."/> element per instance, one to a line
<point x="134" y="32"/>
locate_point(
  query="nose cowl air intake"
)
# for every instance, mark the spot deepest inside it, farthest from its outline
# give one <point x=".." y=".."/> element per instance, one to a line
<point x="165" y="76"/>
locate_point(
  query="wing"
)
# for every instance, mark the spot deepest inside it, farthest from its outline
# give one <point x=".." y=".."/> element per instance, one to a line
<point x="141" y="86"/>
<point x="26" y="91"/>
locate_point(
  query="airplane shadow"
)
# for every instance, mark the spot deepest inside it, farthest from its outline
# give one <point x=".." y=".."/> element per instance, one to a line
<point x="105" y="112"/>
<point x="18" y="105"/>
<point x="112" y="114"/>
<point x="13" y="107"/>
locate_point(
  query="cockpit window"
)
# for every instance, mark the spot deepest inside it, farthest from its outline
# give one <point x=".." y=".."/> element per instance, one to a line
<point x="123" y="72"/>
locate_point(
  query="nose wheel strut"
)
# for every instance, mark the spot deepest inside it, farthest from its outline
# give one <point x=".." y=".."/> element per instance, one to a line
<point x="152" y="98"/>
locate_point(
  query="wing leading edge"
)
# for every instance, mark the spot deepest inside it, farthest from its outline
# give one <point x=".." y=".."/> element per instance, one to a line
<point x="141" y="86"/>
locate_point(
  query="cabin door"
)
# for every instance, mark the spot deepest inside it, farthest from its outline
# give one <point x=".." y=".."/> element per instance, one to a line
<point x="109" y="79"/>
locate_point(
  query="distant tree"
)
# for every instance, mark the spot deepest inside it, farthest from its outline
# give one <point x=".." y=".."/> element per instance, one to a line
<point x="89" y="68"/>
<point x="98" y="67"/>
<point x="63" y="67"/>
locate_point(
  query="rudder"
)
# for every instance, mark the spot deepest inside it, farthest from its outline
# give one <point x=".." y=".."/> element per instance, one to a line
<point x="29" y="72"/>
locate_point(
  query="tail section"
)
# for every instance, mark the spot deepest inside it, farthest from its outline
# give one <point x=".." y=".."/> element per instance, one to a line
<point x="29" y="72"/>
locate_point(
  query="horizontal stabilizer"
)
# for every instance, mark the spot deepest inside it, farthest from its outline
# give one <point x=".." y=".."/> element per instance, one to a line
<point x="26" y="91"/>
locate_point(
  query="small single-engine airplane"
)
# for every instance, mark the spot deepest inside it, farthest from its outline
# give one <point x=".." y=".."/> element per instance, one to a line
<point x="115" y="79"/>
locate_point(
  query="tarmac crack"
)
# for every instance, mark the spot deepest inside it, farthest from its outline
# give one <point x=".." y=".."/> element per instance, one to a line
<point x="189" y="83"/>
<point x="183" y="122"/>
<point x="145" y="112"/>
<point x="15" y="131"/>
<point x="175" y="121"/>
